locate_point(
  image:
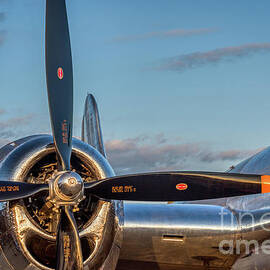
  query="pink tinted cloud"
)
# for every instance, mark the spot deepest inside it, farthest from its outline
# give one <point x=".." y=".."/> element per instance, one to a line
<point x="166" y="34"/>
<point x="198" y="59"/>
<point x="136" y="155"/>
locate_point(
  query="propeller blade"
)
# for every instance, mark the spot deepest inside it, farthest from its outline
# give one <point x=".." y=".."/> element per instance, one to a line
<point x="91" y="128"/>
<point x="69" y="252"/>
<point x="175" y="186"/>
<point x="59" y="79"/>
<point x="10" y="190"/>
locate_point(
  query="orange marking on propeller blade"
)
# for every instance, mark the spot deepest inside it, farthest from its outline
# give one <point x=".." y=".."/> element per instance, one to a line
<point x="265" y="182"/>
<point x="181" y="186"/>
<point x="60" y="73"/>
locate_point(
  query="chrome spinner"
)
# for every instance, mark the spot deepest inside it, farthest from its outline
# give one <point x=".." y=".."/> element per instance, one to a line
<point x="66" y="188"/>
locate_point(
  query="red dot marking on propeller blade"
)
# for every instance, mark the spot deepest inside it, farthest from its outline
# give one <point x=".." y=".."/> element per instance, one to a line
<point x="181" y="186"/>
<point x="60" y="73"/>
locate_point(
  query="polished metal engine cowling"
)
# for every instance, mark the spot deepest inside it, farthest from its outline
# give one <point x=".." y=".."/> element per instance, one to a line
<point x="24" y="243"/>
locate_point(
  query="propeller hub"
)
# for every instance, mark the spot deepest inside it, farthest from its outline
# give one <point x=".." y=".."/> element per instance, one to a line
<point x="68" y="185"/>
<point x="66" y="188"/>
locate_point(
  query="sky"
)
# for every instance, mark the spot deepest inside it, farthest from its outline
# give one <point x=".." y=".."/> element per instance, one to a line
<point x="180" y="84"/>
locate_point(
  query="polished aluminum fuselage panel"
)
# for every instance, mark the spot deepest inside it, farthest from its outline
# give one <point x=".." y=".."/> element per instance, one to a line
<point x="177" y="234"/>
<point x="257" y="164"/>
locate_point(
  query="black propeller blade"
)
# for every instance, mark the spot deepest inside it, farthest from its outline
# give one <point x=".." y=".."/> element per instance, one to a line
<point x="175" y="186"/>
<point x="69" y="253"/>
<point x="59" y="79"/>
<point x="10" y="190"/>
<point x="60" y="95"/>
<point x="165" y="186"/>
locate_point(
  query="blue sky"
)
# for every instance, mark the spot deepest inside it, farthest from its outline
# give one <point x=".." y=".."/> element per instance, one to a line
<point x="182" y="79"/>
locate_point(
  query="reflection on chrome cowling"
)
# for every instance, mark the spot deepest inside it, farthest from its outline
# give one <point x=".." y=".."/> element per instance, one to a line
<point x="26" y="241"/>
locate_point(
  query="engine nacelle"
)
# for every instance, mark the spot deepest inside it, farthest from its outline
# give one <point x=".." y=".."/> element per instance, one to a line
<point x="28" y="227"/>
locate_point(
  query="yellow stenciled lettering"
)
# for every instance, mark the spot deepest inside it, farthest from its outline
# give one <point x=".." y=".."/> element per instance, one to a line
<point x="123" y="189"/>
<point x="129" y="189"/>
<point x="117" y="189"/>
<point x="67" y="248"/>
<point x="3" y="189"/>
<point x="10" y="189"/>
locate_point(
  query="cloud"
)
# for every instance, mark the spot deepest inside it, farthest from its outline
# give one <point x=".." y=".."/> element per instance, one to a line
<point x="166" y="34"/>
<point x="229" y="155"/>
<point x="198" y="59"/>
<point x="141" y="154"/>
<point x="13" y="127"/>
